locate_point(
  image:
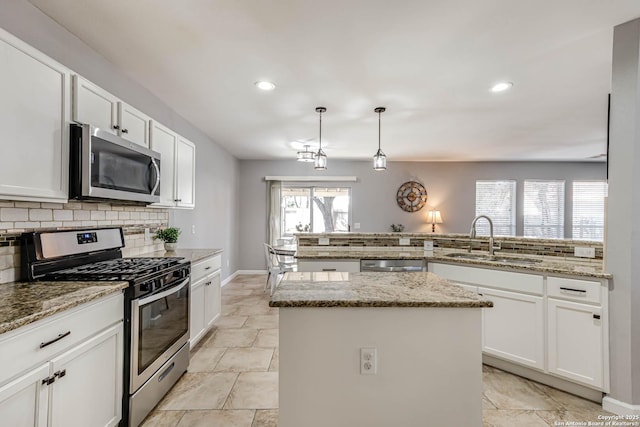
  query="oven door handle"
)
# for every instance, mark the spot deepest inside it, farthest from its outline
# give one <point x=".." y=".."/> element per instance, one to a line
<point x="144" y="301"/>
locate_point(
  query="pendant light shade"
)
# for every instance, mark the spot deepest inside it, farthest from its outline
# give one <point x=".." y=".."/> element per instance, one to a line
<point x="379" y="159"/>
<point x="306" y="155"/>
<point x="321" y="157"/>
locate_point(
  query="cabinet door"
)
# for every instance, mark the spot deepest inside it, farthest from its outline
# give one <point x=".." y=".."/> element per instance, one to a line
<point x="575" y="341"/>
<point x="513" y="328"/>
<point x="196" y="314"/>
<point x="23" y="402"/>
<point x="134" y="124"/>
<point x="94" y="105"/>
<point x="164" y="141"/>
<point x="185" y="174"/>
<point x="89" y="393"/>
<point x="212" y="297"/>
<point x="34" y="115"/>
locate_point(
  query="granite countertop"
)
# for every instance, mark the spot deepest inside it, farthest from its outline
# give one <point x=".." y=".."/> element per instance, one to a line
<point x="193" y="255"/>
<point x="549" y="265"/>
<point x="22" y="303"/>
<point x="337" y="289"/>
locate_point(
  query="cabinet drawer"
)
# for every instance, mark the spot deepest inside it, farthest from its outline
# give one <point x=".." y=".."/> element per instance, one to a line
<point x="508" y="280"/>
<point x="574" y="289"/>
<point x="204" y="267"/>
<point x="349" y="266"/>
<point x="21" y="349"/>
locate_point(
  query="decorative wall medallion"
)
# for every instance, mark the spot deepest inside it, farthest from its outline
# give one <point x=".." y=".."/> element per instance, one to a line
<point x="412" y="196"/>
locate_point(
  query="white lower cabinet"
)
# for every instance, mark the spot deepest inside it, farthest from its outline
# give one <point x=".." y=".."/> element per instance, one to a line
<point x="575" y="341"/>
<point x="557" y="325"/>
<point x="206" y="299"/>
<point x="513" y="328"/>
<point x="24" y="402"/>
<point x="80" y="385"/>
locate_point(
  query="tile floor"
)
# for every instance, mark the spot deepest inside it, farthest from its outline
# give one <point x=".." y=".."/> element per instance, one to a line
<point x="233" y="377"/>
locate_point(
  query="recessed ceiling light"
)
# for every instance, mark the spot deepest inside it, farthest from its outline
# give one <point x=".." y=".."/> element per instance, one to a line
<point x="501" y="87"/>
<point x="264" y="85"/>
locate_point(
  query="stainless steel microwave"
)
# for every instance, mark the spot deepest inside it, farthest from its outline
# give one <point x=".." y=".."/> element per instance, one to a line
<point x="105" y="166"/>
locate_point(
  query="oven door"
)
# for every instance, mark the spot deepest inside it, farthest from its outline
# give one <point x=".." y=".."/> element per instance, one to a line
<point x="159" y="327"/>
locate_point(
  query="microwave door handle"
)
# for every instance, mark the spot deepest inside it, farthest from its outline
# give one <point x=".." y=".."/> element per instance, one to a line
<point x="155" y="166"/>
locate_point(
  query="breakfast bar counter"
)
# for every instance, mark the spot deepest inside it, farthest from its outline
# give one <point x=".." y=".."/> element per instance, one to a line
<point x="378" y="349"/>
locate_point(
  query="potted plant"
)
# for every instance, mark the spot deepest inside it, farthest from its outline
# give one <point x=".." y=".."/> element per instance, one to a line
<point x="170" y="238"/>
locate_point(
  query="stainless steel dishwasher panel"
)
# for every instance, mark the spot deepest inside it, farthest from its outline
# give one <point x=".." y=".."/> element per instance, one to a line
<point x="393" y="265"/>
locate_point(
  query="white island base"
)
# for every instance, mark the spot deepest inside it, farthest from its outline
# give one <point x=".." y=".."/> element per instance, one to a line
<point x="429" y="367"/>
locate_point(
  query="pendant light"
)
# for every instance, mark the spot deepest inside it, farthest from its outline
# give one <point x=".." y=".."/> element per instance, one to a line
<point x="306" y="155"/>
<point x="321" y="158"/>
<point x="379" y="160"/>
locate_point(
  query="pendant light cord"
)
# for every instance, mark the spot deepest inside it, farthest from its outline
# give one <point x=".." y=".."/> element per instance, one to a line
<point x="379" y="112"/>
<point x="320" y="130"/>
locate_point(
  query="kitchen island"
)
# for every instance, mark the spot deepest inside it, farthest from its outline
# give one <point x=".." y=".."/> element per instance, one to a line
<point x="424" y="334"/>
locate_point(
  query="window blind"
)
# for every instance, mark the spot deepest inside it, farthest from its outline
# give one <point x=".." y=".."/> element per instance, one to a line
<point x="544" y="209"/>
<point x="497" y="200"/>
<point x="588" y="210"/>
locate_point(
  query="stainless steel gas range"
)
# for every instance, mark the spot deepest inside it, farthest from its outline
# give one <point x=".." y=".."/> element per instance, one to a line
<point x="156" y="311"/>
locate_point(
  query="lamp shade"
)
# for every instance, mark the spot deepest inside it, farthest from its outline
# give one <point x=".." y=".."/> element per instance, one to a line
<point x="434" y="217"/>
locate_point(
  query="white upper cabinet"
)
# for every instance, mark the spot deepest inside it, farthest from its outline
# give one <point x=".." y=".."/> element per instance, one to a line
<point x="177" y="167"/>
<point x="133" y="124"/>
<point x="185" y="173"/>
<point x="34" y="114"/>
<point x="95" y="106"/>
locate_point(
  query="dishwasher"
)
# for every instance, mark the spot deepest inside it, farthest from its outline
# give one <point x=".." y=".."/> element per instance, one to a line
<point x="393" y="265"/>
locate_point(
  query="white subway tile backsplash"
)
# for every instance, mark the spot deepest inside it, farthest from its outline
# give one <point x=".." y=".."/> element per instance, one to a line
<point x="81" y="215"/>
<point x="27" y="204"/>
<point x="26" y="224"/>
<point x="14" y="214"/>
<point x="51" y="205"/>
<point x="6" y="225"/>
<point x="104" y="223"/>
<point x="51" y="224"/>
<point x="4" y="204"/>
<point x="135" y="215"/>
<point x="73" y="206"/>
<point x="104" y="207"/>
<point x="89" y="223"/>
<point x="97" y="215"/>
<point x="62" y="215"/>
<point x="72" y="224"/>
<point x="124" y="215"/>
<point x="40" y="214"/>
<point x="110" y="215"/>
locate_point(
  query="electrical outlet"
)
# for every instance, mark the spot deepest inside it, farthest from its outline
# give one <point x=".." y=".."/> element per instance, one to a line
<point x="147" y="234"/>
<point x="193" y="229"/>
<point x="404" y="241"/>
<point x="584" y="252"/>
<point x="368" y="359"/>
<point x="428" y="245"/>
<point x="356" y="226"/>
<point x="324" y="241"/>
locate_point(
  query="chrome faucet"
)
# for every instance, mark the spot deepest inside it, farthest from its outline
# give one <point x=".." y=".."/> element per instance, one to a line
<point x="472" y="233"/>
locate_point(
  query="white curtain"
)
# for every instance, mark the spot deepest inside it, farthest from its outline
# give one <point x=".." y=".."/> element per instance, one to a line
<point x="273" y="210"/>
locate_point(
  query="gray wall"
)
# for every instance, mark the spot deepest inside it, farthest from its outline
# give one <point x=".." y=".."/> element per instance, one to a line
<point x="217" y="170"/>
<point x="450" y="188"/>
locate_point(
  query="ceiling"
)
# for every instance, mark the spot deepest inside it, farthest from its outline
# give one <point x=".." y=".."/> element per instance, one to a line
<point x="430" y="63"/>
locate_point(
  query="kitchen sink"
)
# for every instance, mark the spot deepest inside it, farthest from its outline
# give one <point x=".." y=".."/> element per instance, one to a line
<point x="494" y="258"/>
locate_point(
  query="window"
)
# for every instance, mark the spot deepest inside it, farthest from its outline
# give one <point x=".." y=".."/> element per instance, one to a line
<point x="588" y="210"/>
<point x="544" y="209"/>
<point x="497" y="200"/>
<point x="314" y="209"/>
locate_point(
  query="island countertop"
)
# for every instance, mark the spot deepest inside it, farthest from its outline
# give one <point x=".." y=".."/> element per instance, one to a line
<point x="372" y="289"/>
<point x="22" y="303"/>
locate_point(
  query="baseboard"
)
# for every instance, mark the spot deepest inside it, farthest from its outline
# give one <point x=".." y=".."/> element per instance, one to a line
<point x="541" y="377"/>
<point x="229" y="278"/>
<point x="620" y="408"/>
